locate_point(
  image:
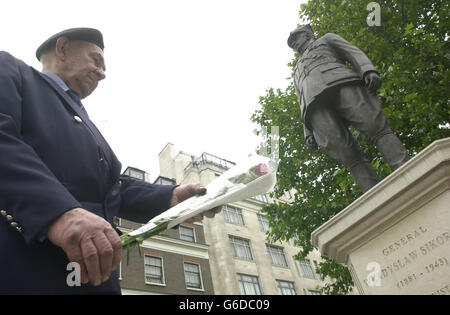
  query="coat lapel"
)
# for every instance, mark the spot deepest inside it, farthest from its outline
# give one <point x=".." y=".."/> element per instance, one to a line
<point x="70" y="103"/>
<point x="67" y="100"/>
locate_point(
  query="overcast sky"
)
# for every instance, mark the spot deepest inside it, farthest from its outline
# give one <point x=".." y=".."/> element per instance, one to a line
<point x="189" y="72"/>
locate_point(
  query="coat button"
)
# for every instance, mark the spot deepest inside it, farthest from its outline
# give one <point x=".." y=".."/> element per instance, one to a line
<point x="9" y="217"/>
<point x="3" y="212"/>
<point x="77" y="119"/>
<point x="116" y="220"/>
<point x="14" y="224"/>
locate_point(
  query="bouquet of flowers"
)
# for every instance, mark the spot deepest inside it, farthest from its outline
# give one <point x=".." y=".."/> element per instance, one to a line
<point x="255" y="176"/>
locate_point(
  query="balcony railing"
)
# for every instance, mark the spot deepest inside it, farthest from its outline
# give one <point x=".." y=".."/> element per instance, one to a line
<point x="207" y="158"/>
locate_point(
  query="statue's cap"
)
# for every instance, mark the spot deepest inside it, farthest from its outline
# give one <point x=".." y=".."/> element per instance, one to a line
<point x="80" y="33"/>
<point x="293" y="35"/>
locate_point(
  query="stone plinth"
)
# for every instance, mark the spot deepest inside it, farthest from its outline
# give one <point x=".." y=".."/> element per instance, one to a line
<point x="395" y="239"/>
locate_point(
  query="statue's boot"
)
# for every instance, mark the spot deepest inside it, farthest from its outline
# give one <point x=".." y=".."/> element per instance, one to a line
<point x="364" y="175"/>
<point x="392" y="150"/>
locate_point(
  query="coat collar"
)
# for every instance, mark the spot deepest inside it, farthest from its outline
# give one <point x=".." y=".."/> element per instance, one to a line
<point x="63" y="94"/>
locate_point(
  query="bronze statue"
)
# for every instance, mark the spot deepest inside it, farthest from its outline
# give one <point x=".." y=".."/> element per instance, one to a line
<point x="333" y="96"/>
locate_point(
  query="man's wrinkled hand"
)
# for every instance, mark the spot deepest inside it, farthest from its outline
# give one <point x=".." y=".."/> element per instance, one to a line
<point x="88" y="240"/>
<point x="186" y="191"/>
<point x="209" y="214"/>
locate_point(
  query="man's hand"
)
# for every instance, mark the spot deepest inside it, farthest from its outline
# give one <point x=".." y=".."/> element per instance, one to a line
<point x="183" y="192"/>
<point x="311" y="143"/>
<point x="209" y="214"/>
<point x="88" y="240"/>
<point x="186" y="191"/>
<point x="372" y="81"/>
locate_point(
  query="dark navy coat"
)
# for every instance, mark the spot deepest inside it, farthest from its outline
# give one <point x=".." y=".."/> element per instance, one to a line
<point x="53" y="159"/>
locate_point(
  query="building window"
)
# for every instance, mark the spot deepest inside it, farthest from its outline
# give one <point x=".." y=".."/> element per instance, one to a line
<point x="135" y="173"/>
<point x="262" y="198"/>
<point x="307" y="271"/>
<point x="314" y="292"/>
<point x="277" y="256"/>
<point x="286" y="287"/>
<point x="192" y="276"/>
<point x="187" y="233"/>
<point x="164" y="181"/>
<point x="153" y="270"/>
<point x="249" y="285"/>
<point x="241" y="248"/>
<point x="233" y="215"/>
<point x="263" y="223"/>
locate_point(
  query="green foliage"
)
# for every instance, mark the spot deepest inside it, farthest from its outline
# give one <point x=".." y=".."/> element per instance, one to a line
<point x="342" y="279"/>
<point x="411" y="51"/>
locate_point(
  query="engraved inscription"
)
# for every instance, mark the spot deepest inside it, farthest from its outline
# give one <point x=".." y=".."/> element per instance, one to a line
<point x="442" y="291"/>
<point x="410" y="252"/>
<point x="425" y="248"/>
<point x="408" y="238"/>
<point x="438" y="263"/>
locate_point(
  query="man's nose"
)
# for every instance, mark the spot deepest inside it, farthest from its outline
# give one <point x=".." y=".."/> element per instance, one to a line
<point x="100" y="74"/>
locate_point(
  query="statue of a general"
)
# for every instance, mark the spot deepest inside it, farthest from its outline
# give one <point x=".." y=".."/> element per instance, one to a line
<point x="333" y="96"/>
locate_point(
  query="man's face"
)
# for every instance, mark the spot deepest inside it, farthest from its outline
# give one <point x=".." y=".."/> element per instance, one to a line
<point x="83" y="67"/>
<point x="301" y="40"/>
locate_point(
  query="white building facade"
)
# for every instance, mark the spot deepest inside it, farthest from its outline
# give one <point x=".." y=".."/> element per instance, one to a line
<point x="242" y="261"/>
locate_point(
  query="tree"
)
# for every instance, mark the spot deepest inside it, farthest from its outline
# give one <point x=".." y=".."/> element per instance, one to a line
<point x="411" y="52"/>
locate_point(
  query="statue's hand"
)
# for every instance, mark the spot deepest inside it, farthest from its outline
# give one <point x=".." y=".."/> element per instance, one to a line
<point x="311" y="143"/>
<point x="372" y="81"/>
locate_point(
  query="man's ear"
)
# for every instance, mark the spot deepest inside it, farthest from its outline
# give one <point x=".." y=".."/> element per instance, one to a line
<point x="62" y="44"/>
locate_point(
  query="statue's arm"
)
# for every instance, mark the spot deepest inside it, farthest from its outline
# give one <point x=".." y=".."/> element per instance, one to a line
<point x="350" y="53"/>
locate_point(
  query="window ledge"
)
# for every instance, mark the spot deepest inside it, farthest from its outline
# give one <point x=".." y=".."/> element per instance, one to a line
<point x="194" y="289"/>
<point x="244" y="259"/>
<point x="279" y="266"/>
<point x="157" y="284"/>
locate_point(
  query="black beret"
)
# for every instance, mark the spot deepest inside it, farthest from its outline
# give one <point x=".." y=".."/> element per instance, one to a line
<point x="85" y="34"/>
<point x="293" y="35"/>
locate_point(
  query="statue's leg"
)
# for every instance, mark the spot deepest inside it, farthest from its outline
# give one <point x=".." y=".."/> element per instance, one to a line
<point x="364" y="175"/>
<point x="363" y="110"/>
<point x="333" y="136"/>
<point x="393" y="150"/>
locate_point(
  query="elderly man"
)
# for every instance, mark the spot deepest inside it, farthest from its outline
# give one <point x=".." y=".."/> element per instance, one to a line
<point x="333" y="96"/>
<point x="60" y="182"/>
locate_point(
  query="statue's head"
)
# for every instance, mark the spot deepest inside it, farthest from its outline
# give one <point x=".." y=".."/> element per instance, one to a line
<point x="300" y="37"/>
